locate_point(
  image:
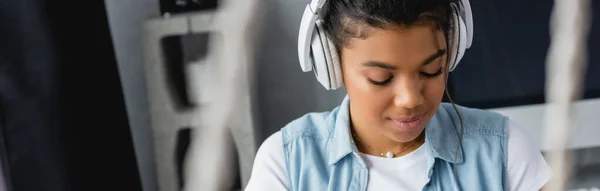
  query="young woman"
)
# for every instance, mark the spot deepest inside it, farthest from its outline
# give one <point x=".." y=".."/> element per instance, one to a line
<point x="392" y="131"/>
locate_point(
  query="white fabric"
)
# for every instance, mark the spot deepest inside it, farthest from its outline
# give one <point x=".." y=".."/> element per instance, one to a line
<point x="527" y="169"/>
<point x="408" y="172"/>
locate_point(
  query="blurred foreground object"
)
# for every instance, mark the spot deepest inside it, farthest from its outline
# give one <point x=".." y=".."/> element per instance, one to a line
<point x="566" y="63"/>
<point x="216" y="107"/>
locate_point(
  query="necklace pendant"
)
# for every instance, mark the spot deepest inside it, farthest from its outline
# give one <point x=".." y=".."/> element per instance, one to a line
<point x="389" y="155"/>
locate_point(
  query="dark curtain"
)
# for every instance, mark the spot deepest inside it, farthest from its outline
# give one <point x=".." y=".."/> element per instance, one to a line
<point x="33" y="156"/>
<point x="63" y="124"/>
<point x="506" y="63"/>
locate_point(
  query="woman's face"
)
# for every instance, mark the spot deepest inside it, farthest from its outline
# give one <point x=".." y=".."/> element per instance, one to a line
<point x="395" y="80"/>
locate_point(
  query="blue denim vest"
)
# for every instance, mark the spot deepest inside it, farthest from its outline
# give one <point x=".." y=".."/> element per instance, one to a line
<point x="320" y="154"/>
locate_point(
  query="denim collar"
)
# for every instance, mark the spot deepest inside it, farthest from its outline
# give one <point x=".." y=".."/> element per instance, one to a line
<point x="441" y="136"/>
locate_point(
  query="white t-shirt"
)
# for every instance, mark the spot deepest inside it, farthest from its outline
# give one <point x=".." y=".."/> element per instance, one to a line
<point x="527" y="169"/>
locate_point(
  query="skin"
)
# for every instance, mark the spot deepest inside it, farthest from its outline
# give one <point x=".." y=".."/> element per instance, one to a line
<point x="405" y="58"/>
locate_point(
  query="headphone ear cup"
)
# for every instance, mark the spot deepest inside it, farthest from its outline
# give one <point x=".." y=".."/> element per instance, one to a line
<point x="459" y="40"/>
<point x="462" y="42"/>
<point x="463" y="33"/>
<point x="335" y="65"/>
<point x="453" y="46"/>
<point x="321" y="57"/>
<point x="468" y="18"/>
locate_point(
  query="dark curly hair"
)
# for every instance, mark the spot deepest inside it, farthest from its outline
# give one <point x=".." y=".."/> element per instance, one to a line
<point x="344" y="19"/>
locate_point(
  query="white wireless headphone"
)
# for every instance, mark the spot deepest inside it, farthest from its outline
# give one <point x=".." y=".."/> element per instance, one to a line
<point x="316" y="51"/>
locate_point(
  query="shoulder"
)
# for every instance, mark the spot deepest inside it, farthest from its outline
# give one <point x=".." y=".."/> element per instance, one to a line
<point x="527" y="168"/>
<point x="518" y="137"/>
<point x="476" y="121"/>
<point x="314" y="125"/>
<point x="271" y="165"/>
<point x="271" y="148"/>
<point x="474" y="116"/>
<point x="269" y="171"/>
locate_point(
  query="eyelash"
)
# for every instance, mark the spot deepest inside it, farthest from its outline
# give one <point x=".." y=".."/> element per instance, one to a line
<point x="378" y="83"/>
<point x="427" y="75"/>
<point x="439" y="72"/>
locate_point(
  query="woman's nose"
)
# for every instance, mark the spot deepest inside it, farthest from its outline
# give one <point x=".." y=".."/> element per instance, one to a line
<point x="409" y="94"/>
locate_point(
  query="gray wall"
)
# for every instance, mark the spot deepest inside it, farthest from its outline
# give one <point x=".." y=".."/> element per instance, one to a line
<point x="284" y="91"/>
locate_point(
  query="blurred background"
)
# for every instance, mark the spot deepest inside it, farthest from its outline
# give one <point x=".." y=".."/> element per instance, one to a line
<point x="101" y="95"/>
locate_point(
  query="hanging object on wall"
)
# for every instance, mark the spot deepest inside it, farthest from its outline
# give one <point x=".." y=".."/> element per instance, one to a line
<point x="566" y="63"/>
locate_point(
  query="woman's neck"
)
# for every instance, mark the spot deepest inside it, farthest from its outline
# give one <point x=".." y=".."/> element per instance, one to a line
<point x="371" y="142"/>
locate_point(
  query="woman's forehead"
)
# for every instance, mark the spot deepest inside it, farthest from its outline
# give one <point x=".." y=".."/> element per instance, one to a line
<point x="407" y="44"/>
<point x="401" y="37"/>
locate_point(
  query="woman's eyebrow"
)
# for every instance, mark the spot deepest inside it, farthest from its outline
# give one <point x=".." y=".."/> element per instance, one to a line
<point x="379" y="65"/>
<point x="438" y="54"/>
<point x="387" y="66"/>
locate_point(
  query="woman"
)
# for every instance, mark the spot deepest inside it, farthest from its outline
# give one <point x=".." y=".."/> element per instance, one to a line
<point x="392" y="132"/>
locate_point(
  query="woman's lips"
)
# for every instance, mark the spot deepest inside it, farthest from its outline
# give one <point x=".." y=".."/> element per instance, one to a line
<point x="408" y="123"/>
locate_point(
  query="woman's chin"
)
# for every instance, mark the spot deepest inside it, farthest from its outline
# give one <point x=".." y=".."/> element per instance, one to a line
<point x="405" y="136"/>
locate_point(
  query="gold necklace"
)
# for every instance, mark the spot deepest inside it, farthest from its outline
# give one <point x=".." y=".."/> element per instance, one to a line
<point x="388" y="154"/>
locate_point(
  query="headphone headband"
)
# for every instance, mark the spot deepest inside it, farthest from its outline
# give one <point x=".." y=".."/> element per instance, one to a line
<point x="316" y="6"/>
<point x="316" y="52"/>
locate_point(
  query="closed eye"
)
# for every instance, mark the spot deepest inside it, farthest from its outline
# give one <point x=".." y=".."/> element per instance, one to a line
<point x="381" y="83"/>
<point x="429" y="75"/>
